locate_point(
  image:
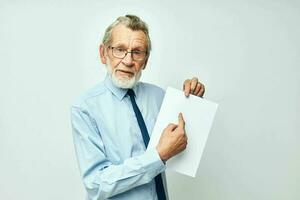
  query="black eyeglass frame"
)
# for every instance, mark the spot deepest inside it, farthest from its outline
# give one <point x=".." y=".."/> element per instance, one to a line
<point x="126" y="52"/>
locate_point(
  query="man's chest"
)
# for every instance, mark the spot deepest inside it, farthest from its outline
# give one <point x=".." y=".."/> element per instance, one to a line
<point x="119" y="129"/>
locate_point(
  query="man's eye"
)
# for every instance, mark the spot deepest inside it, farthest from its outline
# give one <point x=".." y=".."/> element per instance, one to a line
<point x="120" y="50"/>
<point x="137" y="52"/>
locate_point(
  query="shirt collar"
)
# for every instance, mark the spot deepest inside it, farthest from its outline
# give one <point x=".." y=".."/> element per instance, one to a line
<point x="118" y="92"/>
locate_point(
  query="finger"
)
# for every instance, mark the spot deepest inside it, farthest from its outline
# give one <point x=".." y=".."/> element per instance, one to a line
<point x="198" y="88"/>
<point x="171" y="127"/>
<point x="202" y="91"/>
<point x="181" y="122"/>
<point x="183" y="146"/>
<point x="193" y="84"/>
<point x="185" y="139"/>
<point x="184" y="84"/>
<point x="187" y="87"/>
<point x="185" y="136"/>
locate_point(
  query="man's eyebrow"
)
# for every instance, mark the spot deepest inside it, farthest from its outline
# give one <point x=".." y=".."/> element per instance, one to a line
<point x="139" y="48"/>
<point x="119" y="45"/>
<point x="136" y="48"/>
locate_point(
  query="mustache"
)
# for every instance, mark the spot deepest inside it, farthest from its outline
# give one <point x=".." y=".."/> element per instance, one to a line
<point x="125" y="70"/>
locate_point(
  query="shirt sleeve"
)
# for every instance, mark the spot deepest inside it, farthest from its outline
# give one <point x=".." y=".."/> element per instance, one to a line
<point x="101" y="178"/>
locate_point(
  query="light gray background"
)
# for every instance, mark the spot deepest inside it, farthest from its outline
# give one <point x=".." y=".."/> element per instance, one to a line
<point x="246" y="52"/>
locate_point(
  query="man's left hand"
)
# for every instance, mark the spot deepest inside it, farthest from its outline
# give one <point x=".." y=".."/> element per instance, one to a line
<point x="194" y="87"/>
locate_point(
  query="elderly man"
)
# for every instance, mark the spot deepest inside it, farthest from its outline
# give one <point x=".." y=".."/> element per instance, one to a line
<point x="112" y="121"/>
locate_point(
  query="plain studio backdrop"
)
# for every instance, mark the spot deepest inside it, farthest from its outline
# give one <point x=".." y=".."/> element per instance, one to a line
<point x="247" y="53"/>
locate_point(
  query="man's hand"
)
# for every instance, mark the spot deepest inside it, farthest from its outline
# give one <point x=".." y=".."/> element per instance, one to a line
<point x="173" y="140"/>
<point x="193" y="86"/>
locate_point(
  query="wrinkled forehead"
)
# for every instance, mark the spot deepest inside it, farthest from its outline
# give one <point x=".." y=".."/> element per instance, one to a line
<point x="121" y="35"/>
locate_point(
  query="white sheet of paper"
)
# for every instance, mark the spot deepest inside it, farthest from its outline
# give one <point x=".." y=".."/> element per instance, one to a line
<point x="198" y="114"/>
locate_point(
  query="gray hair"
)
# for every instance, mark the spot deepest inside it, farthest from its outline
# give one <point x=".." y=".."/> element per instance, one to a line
<point x="130" y="21"/>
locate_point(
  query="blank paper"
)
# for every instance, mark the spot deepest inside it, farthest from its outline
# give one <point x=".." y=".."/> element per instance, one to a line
<point x="198" y="114"/>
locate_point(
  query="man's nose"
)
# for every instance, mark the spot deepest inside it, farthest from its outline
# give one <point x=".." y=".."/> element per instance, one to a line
<point x="127" y="60"/>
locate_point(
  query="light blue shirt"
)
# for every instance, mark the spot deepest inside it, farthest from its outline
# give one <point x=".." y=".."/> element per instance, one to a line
<point x="108" y="142"/>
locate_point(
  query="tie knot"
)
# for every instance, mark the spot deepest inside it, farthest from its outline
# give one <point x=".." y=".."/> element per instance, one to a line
<point x="130" y="92"/>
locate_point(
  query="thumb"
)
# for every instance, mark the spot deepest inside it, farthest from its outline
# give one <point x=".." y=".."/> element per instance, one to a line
<point x="171" y="127"/>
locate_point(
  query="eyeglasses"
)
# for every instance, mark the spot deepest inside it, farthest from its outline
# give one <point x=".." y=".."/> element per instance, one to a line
<point x="121" y="53"/>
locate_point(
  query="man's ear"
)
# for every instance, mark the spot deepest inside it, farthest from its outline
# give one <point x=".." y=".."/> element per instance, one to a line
<point x="146" y="61"/>
<point x="102" y="53"/>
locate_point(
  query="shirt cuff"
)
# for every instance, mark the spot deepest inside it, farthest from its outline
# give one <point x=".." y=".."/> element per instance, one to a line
<point x="152" y="162"/>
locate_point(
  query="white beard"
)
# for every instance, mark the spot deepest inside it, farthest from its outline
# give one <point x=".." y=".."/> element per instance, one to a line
<point x="123" y="82"/>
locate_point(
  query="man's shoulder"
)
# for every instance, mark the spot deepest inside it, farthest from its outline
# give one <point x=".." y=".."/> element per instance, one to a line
<point x="152" y="87"/>
<point x="152" y="91"/>
<point x="89" y="94"/>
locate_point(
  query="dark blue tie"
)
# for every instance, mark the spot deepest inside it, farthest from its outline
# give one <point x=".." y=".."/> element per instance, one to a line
<point x="158" y="179"/>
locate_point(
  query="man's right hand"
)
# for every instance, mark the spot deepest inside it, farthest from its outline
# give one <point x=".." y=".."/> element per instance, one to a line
<point x="173" y="140"/>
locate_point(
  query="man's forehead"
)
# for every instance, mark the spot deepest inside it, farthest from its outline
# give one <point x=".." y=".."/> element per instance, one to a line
<point x="122" y="34"/>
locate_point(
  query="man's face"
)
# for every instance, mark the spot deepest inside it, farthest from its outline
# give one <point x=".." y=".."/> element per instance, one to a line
<point x="125" y="72"/>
